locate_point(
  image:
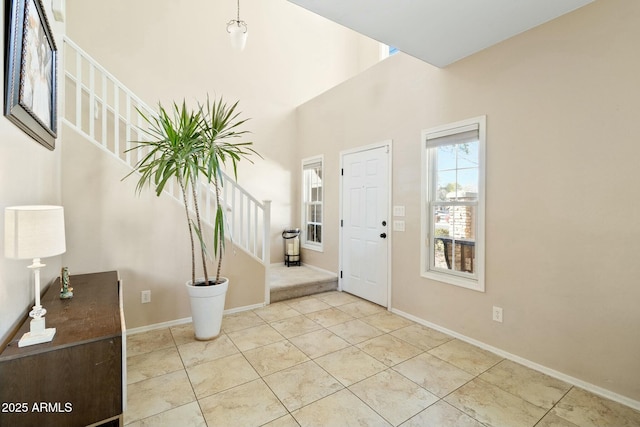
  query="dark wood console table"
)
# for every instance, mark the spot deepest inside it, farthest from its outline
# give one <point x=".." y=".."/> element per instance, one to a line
<point x="76" y="379"/>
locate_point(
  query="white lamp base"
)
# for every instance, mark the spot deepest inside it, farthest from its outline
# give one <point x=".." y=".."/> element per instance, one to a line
<point x="38" y="333"/>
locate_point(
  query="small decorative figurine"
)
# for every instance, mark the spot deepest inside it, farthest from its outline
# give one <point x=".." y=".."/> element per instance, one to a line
<point x="66" y="291"/>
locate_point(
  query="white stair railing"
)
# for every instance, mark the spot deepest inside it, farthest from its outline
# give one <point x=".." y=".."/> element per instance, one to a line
<point x="105" y="111"/>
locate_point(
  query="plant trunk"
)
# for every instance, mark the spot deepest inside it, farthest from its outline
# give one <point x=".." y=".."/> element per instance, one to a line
<point x="186" y="208"/>
<point x="199" y="225"/>
<point x="220" y="235"/>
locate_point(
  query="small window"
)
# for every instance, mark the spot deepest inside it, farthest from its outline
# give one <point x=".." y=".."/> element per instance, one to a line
<point x="387" y="51"/>
<point x="453" y="203"/>
<point x="312" y="207"/>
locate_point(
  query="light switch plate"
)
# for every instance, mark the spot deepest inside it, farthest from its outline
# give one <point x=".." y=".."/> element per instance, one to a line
<point x="398" y="225"/>
<point x="398" y="211"/>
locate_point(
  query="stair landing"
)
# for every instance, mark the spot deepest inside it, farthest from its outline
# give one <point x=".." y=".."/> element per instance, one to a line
<point x="298" y="281"/>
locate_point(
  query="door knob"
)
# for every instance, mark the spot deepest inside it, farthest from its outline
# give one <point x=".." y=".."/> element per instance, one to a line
<point x="383" y="235"/>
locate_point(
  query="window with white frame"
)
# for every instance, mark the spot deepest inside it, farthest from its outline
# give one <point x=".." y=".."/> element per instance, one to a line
<point x="387" y="51"/>
<point x="312" y="208"/>
<point x="453" y="203"/>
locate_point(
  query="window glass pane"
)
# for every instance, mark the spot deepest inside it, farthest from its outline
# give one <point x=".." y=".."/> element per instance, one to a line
<point x="307" y="185"/>
<point x="467" y="155"/>
<point x="313" y="183"/>
<point x="454" y="235"/>
<point x="314" y="233"/>
<point x="463" y="222"/>
<point x="446" y="185"/>
<point x="315" y="194"/>
<point x="441" y="258"/>
<point x="441" y="235"/>
<point x="467" y="184"/>
<point x="465" y="235"/>
<point x="312" y="202"/>
<point x="446" y="157"/>
<point x="313" y="213"/>
<point x="441" y="221"/>
<point x="311" y="231"/>
<point x="464" y="256"/>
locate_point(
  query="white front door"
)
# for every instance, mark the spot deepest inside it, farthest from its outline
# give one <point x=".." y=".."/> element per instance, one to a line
<point x="365" y="223"/>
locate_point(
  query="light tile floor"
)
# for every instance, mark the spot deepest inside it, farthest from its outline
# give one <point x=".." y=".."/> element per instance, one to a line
<point x="335" y="360"/>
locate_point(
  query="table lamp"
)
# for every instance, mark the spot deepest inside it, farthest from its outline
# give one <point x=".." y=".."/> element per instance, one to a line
<point x="34" y="232"/>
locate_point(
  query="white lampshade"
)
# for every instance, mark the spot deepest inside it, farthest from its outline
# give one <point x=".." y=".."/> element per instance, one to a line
<point x="33" y="232"/>
<point x="238" y="35"/>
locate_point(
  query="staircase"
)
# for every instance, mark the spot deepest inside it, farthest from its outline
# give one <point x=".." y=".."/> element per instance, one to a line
<point x="295" y="282"/>
<point x="105" y="112"/>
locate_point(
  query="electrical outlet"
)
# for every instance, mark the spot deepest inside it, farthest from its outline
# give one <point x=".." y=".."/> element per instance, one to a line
<point x="497" y="314"/>
<point x="145" y="297"/>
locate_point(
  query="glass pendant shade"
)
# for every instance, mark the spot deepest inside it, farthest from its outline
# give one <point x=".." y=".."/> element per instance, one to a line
<point x="238" y="33"/>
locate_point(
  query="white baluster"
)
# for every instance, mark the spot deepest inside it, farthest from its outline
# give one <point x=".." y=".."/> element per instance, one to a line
<point x="92" y="101"/>
<point x="78" y="90"/>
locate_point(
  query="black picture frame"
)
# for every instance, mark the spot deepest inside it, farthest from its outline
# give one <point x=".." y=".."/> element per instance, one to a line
<point x="31" y="60"/>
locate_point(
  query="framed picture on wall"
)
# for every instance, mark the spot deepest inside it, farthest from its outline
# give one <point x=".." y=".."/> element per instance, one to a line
<point x="30" y="72"/>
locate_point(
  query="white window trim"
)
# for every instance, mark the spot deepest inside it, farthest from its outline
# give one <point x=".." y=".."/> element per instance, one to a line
<point x="384" y="51"/>
<point x="314" y="246"/>
<point x="451" y="277"/>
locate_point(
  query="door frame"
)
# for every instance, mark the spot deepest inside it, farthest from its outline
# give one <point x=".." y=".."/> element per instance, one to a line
<point x="388" y="144"/>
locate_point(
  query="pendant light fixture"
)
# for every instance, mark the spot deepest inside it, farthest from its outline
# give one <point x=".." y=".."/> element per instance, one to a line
<point x="237" y="30"/>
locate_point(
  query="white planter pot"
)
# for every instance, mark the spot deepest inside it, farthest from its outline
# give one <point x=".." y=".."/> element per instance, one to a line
<point x="207" y="307"/>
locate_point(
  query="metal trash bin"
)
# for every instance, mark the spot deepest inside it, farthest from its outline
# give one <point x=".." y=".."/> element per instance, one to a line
<point x="291" y="246"/>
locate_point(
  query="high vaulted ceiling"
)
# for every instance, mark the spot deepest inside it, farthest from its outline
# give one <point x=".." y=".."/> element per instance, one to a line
<point x="440" y="32"/>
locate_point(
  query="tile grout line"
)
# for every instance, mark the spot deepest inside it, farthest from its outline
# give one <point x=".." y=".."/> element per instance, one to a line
<point x="184" y="366"/>
<point x="553" y="406"/>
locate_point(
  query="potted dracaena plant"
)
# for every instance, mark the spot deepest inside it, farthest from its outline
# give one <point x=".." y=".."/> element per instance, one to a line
<point x="193" y="147"/>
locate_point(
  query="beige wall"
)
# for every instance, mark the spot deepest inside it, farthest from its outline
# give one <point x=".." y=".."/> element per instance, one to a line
<point x="167" y="51"/>
<point x="29" y="175"/>
<point x="562" y="237"/>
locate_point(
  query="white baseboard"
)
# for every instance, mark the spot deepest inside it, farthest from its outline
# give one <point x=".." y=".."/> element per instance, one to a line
<point x="244" y="308"/>
<point x="321" y="270"/>
<point x="313" y="267"/>
<point x="185" y="320"/>
<point x="540" y="368"/>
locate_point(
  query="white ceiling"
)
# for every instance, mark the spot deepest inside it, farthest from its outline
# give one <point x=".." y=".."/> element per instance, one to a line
<point x="440" y="32"/>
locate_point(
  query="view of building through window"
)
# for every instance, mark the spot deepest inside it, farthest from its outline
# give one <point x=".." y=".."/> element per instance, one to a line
<point x="312" y="202"/>
<point x="454" y="210"/>
<point x="453" y="224"/>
